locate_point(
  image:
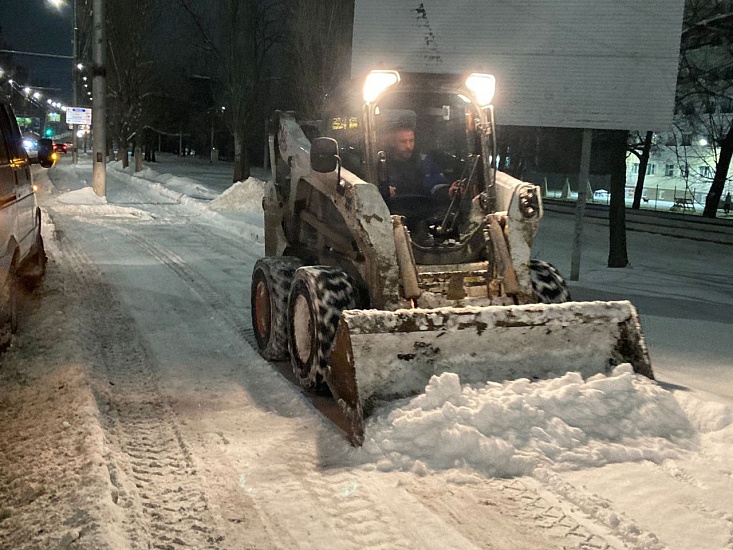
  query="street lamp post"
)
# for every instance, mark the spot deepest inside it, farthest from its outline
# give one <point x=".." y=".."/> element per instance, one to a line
<point x="59" y="4"/>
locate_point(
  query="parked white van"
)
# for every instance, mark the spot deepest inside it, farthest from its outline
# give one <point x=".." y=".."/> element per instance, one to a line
<point x="22" y="256"/>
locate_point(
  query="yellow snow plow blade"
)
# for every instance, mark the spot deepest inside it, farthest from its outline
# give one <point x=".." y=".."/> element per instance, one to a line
<point x="385" y="355"/>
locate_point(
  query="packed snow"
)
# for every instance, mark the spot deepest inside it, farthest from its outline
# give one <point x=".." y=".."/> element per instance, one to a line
<point x="646" y="463"/>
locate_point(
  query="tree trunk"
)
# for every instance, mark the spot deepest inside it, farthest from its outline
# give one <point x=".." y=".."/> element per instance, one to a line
<point x="123" y="157"/>
<point x="643" y="162"/>
<point x="138" y="152"/>
<point x="138" y="159"/>
<point x="241" y="158"/>
<point x="617" y="256"/>
<point x="716" y="189"/>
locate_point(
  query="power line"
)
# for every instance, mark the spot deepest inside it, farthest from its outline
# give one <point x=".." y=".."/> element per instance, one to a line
<point x="18" y="52"/>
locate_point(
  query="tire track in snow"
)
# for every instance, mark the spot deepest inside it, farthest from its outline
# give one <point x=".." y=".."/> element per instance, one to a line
<point x="323" y="500"/>
<point x="600" y="511"/>
<point x="156" y="484"/>
<point x="708" y="511"/>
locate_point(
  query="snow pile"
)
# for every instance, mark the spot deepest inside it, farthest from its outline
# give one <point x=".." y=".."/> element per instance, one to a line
<point x="85" y="202"/>
<point x="180" y="185"/>
<point x="511" y="428"/>
<point x="243" y="196"/>
<point x="186" y="186"/>
<point x="83" y="196"/>
<point x="706" y="416"/>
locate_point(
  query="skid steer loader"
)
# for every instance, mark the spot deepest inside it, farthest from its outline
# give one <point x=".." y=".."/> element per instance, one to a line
<point x="373" y="294"/>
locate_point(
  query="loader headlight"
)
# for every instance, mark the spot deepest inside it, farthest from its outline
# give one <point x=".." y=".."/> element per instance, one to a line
<point x="482" y="86"/>
<point x="529" y="202"/>
<point x="378" y="81"/>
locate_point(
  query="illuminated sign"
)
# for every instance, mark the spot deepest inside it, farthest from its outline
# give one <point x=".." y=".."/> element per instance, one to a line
<point x="78" y="115"/>
<point x="344" y="123"/>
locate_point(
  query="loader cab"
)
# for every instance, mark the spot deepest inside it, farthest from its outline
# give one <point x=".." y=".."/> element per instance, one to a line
<point x="453" y="142"/>
<point x="444" y="122"/>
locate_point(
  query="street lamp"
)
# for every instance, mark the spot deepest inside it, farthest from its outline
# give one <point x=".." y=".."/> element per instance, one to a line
<point x="75" y="65"/>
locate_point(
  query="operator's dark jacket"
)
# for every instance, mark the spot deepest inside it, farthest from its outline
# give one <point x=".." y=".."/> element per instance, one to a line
<point x="414" y="176"/>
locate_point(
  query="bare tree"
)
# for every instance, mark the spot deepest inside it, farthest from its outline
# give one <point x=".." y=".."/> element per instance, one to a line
<point x="641" y="148"/>
<point x="616" y="144"/>
<point x="130" y="72"/>
<point x="239" y="40"/>
<point x="705" y="85"/>
<point x="318" y="50"/>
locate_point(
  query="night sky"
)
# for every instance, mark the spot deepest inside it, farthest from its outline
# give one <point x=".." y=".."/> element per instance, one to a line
<point x="35" y="26"/>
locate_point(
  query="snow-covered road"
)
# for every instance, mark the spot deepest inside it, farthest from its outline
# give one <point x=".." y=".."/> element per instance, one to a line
<point x="136" y="413"/>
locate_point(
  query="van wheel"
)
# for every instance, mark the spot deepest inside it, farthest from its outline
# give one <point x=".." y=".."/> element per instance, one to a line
<point x="271" y="280"/>
<point x="318" y="296"/>
<point x="35" y="268"/>
<point x="548" y="285"/>
<point x="8" y="308"/>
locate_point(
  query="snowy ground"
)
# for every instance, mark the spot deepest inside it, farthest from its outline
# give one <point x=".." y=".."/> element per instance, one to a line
<point x="136" y="414"/>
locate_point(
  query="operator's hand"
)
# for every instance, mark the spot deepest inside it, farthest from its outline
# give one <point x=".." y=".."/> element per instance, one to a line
<point x="454" y="188"/>
<point x="392" y="191"/>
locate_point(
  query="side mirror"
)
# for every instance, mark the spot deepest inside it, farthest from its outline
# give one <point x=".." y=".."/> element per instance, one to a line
<point x="45" y="147"/>
<point x="324" y="155"/>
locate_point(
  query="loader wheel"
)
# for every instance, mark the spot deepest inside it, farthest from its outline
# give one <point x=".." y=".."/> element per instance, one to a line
<point x="271" y="280"/>
<point x="548" y="285"/>
<point x="317" y="298"/>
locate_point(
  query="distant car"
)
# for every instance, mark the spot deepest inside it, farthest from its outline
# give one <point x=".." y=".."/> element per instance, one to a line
<point x="60" y="147"/>
<point x="601" y="195"/>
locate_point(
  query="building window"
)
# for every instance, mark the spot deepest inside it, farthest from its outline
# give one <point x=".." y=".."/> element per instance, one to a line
<point x="635" y="168"/>
<point x="686" y="140"/>
<point x="651" y="169"/>
<point x="706" y="171"/>
<point x="669" y="170"/>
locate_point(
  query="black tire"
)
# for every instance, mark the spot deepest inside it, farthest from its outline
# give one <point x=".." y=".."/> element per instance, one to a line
<point x="318" y="296"/>
<point x="8" y="308"/>
<point x="35" y="267"/>
<point x="271" y="280"/>
<point x="548" y="285"/>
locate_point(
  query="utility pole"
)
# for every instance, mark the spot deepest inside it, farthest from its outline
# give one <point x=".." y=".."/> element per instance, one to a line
<point x="580" y="205"/>
<point x="99" y="93"/>
<point x="74" y="78"/>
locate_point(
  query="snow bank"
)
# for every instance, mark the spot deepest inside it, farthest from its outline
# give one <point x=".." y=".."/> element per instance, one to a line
<point x="180" y="185"/>
<point x="514" y="427"/>
<point x="706" y="416"/>
<point x="83" y="196"/>
<point x="243" y="196"/>
<point x="85" y="202"/>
